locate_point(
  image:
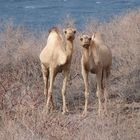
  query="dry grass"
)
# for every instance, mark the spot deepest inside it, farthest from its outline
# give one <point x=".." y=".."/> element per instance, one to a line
<point x="21" y="86"/>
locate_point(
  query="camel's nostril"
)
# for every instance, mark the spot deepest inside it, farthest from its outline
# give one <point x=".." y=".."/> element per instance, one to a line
<point x="70" y="37"/>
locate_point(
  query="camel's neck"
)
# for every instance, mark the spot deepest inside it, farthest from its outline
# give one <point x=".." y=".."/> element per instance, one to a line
<point x="86" y="53"/>
<point x="69" y="47"/>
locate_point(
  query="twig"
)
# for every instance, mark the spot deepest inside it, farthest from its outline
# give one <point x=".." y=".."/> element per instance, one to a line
<point x="75" y="76"/>
<point x="3" y="87"/>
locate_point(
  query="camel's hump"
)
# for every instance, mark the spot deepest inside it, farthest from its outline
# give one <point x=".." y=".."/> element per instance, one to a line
<point x="55" y="29"/>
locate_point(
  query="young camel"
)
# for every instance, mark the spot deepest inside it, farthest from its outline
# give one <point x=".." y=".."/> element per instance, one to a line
<point x="97" y="59"/>
<point x="56" y="58"/>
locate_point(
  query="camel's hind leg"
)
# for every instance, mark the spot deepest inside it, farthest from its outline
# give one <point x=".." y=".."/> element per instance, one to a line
<point x="99" y="91"/>
<point x="85" y="77"/>
<point x="45" y="73"/>
<point x="66" y="74"/>
<point x="52" y="76"/>
<point x="105" y="90"/>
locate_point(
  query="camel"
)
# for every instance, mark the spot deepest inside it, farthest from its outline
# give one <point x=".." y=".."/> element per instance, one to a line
<point x="56" y="58"/>
<point x="96" y="59"/>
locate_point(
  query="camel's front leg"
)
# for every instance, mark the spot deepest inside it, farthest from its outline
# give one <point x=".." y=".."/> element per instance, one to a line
<point x="85" y="77"/>
<point x="52" y="76"/>
<point x="66" y="74"/>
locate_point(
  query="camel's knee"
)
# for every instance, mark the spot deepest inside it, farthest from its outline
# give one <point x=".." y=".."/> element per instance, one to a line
<point x="105" y="94"/>
<point x="100" y="96"/>
<point x="98" y="93"/>
<point x="63" y="92"/>
<point x="45" y="92"/>
<point x="49" y="92"/>
<point x="86" y="95"/>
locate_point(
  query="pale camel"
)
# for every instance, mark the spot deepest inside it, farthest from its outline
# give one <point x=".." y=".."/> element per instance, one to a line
<point x="56" y="58"/>
<point x="97" y="59"/>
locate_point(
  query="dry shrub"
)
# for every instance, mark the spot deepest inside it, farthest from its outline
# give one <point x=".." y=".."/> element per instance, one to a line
<point x="21" y="85"/>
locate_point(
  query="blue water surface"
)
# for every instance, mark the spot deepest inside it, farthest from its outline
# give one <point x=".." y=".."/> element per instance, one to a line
<point x="47" y="13"/>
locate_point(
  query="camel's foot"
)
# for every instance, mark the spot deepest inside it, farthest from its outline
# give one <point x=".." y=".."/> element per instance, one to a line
<point x="100" y="112"/>
<point x="52" y="107"/>
<point x="84" y="114"/>
<point x="45" y="94"/>
<point x="105" y="112"/>
<point x="46" y="109"/>
<point x="65" y="111"/>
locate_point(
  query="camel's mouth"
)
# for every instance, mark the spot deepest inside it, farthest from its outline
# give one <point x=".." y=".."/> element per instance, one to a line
<point x="86" y="45"/>
<point x="70" y="38"/>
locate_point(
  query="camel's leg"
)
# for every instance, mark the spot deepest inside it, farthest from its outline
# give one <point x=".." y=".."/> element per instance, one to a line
<point x="85" y="77"/>
<point x="99" y="90"/>
<point x="105" y="90"/>
<point x="66" y="74"/>
<point x="52" y="76"/>
<point x="45" y="73"/>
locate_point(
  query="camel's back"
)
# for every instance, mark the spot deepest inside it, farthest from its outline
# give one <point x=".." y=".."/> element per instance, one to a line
<point x="104" y="52"/>
<point x="53" y="52"/>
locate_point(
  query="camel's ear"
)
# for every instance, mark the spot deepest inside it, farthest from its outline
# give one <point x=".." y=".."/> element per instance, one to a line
<point x="93" y="36"/>
<point x="64" y="31"/>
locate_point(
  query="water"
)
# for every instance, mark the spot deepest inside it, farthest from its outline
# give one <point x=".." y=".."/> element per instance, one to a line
<point x="47" y="13"/>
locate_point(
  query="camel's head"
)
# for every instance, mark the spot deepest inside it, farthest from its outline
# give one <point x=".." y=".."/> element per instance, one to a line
<point x="69" y="33"/>
<point x="85" y="41"/>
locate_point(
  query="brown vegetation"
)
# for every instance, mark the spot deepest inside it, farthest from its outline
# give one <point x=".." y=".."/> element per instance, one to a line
<point x="21" y="86"/>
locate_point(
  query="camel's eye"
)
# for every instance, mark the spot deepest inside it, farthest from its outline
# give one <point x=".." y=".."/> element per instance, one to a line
<point x="65" y="31"/>
<point x="81" y="39"/>
<point x="74" y="31"/>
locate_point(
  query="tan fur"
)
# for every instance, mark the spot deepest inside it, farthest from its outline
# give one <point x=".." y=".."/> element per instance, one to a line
<point x="97" y="59"/>
<point x="55" y="58"/>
